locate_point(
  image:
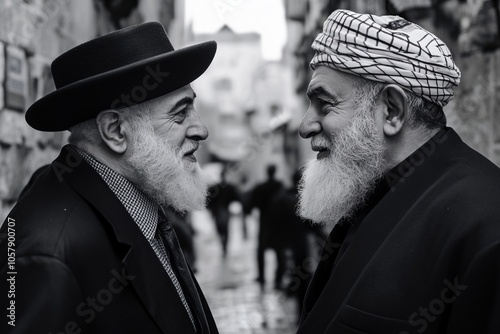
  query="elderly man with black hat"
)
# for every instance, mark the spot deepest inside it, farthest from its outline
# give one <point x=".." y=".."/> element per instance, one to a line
<point x="94" y="251"/>
<point x="415" y="212"/>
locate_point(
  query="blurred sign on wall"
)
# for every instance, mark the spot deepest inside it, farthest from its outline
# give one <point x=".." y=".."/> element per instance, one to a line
<point x="16" y="78"/>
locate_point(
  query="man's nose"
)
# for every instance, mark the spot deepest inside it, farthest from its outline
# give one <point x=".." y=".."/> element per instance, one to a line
<point x="310" y="124"/>
<point x="197" y="129"/>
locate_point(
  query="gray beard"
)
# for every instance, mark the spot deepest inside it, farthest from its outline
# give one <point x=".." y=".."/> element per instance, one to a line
<point x="162" y="174"/>
<point x="334" y="187"/>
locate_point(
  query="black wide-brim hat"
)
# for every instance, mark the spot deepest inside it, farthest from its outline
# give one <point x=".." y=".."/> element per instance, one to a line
<point x="116" y="70"/>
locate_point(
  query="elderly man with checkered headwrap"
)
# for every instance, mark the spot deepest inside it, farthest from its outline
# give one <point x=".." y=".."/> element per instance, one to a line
<point x="414" y="211"/>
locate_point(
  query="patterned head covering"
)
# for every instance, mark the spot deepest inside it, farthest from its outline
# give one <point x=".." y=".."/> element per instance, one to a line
<point x="388" y="49"/>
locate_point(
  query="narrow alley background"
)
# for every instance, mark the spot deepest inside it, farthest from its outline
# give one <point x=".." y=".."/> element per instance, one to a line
<point x="236" y="300"/>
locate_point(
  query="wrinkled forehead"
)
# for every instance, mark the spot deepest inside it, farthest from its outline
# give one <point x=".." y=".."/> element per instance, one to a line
<point x="326" y="80"/>
<point x="172" y="100"/>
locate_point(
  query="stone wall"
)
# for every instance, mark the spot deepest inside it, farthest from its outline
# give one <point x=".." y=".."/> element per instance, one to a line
<point x="475" y="112"/>
<point x="31" y="36"/>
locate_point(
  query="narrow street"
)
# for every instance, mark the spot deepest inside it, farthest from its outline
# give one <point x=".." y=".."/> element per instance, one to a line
<point x="238" y="305"/>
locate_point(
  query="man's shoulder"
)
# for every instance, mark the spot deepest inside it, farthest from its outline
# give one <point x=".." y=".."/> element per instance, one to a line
<point x="452" y="187"/>
<point x="464" y="197"/>
<point x="448" y="163"/>
<point x="465" y="177"/>
<point x="470" y="173"/>
<point x="50" y="216"/>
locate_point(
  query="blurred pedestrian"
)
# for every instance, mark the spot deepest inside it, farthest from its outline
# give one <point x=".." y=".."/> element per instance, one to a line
<point x="95" y="252"/>
<point x="414" y="211"/>
<point x="262" y="195"/>
<point x="221" y="195"/>
<point x="246" y="204"/>
<point x="292" y="233"/>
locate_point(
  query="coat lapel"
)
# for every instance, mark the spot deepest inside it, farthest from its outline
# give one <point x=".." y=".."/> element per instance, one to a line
<point x="152" y="284"/>
<point x="182" y="272"/>
<point x="155" y="289"/>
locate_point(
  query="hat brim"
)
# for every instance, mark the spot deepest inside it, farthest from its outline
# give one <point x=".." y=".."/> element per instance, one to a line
<point x="125" y="86"/>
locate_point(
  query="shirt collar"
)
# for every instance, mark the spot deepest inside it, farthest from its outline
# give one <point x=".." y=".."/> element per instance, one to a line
<point x="142" y="209"/>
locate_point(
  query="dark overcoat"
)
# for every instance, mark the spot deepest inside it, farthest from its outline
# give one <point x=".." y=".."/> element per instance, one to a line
<point x="425" y="259"/>
<point x="83" y="265"/>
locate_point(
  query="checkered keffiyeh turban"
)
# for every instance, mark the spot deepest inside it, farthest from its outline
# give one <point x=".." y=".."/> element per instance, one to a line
<point x="388" y="49"/>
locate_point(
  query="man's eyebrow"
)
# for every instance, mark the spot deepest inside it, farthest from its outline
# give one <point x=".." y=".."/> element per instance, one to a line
<point x="184" y="100"/>
<point x="320" y="91"/>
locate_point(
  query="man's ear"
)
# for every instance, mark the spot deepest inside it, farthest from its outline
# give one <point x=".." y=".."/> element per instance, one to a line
<point x="110" y="125"/>
<point x="396" y="111"/>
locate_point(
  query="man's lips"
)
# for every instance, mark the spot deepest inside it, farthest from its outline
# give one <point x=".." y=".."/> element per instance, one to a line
<point x="189" y="155"/>
<point x="323" y="152"/>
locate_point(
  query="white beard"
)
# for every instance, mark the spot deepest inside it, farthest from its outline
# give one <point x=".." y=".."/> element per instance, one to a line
<point x="162" y="173"/>
<point x="334" y="187"/>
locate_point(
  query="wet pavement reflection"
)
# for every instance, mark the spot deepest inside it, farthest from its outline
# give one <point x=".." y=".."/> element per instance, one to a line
<point x="235" y="298"/>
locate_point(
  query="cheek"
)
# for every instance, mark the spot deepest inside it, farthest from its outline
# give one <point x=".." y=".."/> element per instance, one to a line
<point x="173" y="137"/>
<point x="333" y="124"/>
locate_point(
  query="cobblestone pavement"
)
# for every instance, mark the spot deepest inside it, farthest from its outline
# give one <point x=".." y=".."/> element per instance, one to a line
<point x="236" y="300"/>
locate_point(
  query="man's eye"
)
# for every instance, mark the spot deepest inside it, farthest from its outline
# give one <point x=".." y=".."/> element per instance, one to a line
<point x="326" y="106"/>
<point x="181" y="115"/>
<point x="327" y="109"/>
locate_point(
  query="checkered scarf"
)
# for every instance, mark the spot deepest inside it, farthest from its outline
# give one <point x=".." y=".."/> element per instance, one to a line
<point x="387" y="49"/>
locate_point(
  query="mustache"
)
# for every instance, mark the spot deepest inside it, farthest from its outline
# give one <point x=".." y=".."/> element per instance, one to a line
<point x="190" y="148"/>
<point x="322" y="142"/>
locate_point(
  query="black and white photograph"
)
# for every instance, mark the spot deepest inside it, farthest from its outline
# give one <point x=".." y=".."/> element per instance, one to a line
<point x="250" y="166"/>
